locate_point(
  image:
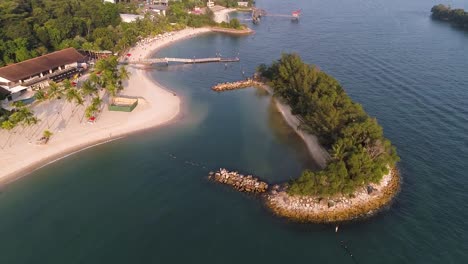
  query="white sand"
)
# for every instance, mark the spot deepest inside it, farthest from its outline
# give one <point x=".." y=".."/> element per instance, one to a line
<point x="19" y="153"/>
<point x="222" y="15"/>
<point x="317" y="152"/>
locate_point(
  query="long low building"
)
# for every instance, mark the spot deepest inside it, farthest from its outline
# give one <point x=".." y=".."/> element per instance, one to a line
<point x="17" y="79"/>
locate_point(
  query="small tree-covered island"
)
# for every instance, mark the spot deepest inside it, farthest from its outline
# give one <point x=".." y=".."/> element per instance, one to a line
<point x="456" y="16"/>
<point x="359" y="176"/>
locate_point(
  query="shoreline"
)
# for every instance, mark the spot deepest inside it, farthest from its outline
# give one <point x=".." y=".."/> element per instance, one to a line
<point x="336" y="209"/>
<point x="365" y="202"/>
<point x="316" y="151"/>
<point x="158" y="106"/>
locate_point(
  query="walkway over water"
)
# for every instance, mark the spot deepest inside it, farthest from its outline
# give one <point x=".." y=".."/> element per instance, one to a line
<point x="182" y="60"/>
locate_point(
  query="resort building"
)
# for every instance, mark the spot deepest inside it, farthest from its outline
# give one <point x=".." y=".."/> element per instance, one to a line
<point x="158" y="2"/>
<point x="242" y="4"/>
<point x="18" y="81"/>
<point x="128" y="18"/>
<point x="149" y="2"/>
<point x="157" y="9"/>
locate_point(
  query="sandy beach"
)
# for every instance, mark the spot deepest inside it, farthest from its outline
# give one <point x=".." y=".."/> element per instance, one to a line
<point x="71" y="131"/>
<point x="222" y="15"/>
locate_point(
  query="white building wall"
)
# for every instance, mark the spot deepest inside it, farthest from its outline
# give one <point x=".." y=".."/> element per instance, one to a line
<point x="3" y="80"/>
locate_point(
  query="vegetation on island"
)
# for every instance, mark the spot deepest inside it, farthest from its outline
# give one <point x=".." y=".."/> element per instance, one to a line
<point x="179" y="13"/>
<point x="456" y="16"/>
<point x="359" y="152"/>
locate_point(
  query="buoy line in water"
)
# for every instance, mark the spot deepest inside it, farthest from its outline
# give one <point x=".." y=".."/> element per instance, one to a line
<point x="345" y="247"/>
<point x="188" y="162"/>
<point x="348" y="251"/>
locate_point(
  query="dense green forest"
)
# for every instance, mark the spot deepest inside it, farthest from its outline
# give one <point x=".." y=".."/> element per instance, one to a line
<point x="29" y="28"/>
<point x="360" y="153"/>
<point x="456" y="16"/>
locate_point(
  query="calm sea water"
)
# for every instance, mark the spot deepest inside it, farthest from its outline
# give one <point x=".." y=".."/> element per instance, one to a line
<point x="130" y="201"/>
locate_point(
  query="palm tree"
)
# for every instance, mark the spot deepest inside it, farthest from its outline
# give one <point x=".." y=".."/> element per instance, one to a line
<point x="94" y="78"/>
<point x="18" y="104"/>
<point x="40" y="96"/>
<point x="22" y="116"/>
<point x="8" y="125"/>
<point x="94" y="107"/>
<point x="47" y="134"/>
<point x="54" y="91"/>
<point x="124" y="74"/>
<point x="73" y="95"/>
<point x="88" y="88"/>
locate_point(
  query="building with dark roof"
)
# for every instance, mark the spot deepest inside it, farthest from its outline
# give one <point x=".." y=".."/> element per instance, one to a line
<point x="36" y="73"/>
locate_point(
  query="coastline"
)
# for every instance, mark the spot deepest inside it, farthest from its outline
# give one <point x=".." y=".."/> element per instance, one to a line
<point x="157" y="106"/>
<point x="317" y="152"/>
<point x="336" y="209"/>
<point x="245" y="31"/>
<point x="365" y="202"/>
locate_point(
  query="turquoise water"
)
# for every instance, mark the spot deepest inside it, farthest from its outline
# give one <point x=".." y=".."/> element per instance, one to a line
<point x="129" y="201"/>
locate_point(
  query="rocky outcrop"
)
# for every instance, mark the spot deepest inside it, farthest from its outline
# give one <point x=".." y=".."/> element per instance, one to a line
<point x="238" y="181"/>
<point x="364" y="202"/>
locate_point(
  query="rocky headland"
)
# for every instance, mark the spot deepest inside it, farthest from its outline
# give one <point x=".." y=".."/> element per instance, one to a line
<point x="364" y="202"/>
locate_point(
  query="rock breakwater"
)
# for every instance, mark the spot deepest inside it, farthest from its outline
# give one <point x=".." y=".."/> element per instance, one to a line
<point x="237" y="85"/>
<point x="238" y="181"/>
<point x="363" y="203"/>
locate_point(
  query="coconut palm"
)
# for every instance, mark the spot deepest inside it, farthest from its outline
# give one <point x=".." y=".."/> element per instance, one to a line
<point x="47" y="134"/>
<point x="88" y="88"/>
<point x="23" y="116"/>
<point x="94" y="78"/>
<point x="93" y="107"/>
<point x="40" y="96"/>
<point x="18" y="104"/>
<point x="8" y="125"/>
<point x="72" y="95"/>
<point x="54" y="91"/>
<point x="124" y="74"/>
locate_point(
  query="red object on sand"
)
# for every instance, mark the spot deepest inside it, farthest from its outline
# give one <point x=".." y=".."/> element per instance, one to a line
<point x="92" y="119"/>
<point x="129" y="54"/>
<point x="73" y="83"/>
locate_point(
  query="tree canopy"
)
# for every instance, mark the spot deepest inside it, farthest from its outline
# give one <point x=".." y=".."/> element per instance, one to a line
<point x="456" y="16"/>
<point x="360" y="153"/>
<point x="29" y="28"/>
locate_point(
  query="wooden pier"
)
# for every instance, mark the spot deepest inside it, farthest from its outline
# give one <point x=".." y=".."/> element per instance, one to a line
<point x="257" y="14"/>
<point x="182" y="60"/>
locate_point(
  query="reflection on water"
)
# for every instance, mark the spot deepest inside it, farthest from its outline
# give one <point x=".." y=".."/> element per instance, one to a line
<point x="286" y="135"/>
